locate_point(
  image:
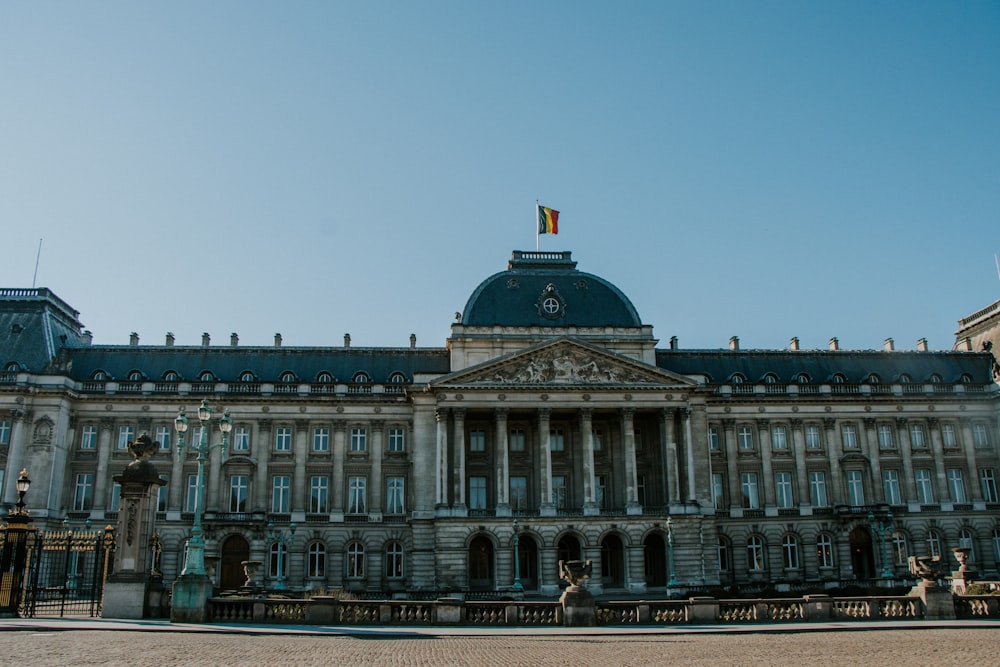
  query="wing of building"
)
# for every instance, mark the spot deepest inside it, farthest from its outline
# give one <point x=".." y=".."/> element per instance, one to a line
<point x="551" y="418"/>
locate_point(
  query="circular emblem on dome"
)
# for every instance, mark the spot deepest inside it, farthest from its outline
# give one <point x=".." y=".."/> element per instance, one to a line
<point x="550" y="304"/>
<point x="513" y="283"/>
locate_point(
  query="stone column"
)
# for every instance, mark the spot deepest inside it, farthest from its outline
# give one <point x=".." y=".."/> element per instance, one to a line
<point x="377" y="445"/>
<point x="178" y="484"/>
<point x="974" y="489"/>
<point x="459" y="458"/>
<point x="696" y="421"/>
<point x="801" y="473"/>
<point x="590" y="507"/>
<point x="545" y="452"/>
<point x="767" y="470"/>
<point x="830" y="426"/>
<point x="503" y="462"/>
<point x="732" y="471"/>
<point x="903" y="437"/>
<point x="631" y="475"/>
<point x="337" y="476"/>
<point x="15" y="453"/>
<point x="441" y="458"/>
<point x="300" y="453"/>
<point x="672" y="463"/>
<point x="937" y="448"/>
<point x="104" y="445"/>
<point x="872" y="450"/>
<point x="260" y="492"/>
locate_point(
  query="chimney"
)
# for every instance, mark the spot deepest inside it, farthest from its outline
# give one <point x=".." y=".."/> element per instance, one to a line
<point x="793" y="344"/>
<point x="734" y="343"/>
<point x="889" y="345"/>
<point x="834" y="344"/>
<point x="922" y="345"/>
<point x="170" y="339"/>
<point x="347" y="340"/>
<point x="88" y="338"/>
<point x="413" y="340"/>
<point x="673" y="343"/>
<point x="277" y="340"/>
<point x="234" y="339"/>
<point x="205" y="339"/>
<point x="133" y="338"/>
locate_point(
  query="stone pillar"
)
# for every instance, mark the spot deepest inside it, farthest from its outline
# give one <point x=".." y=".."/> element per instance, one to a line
<point x="801" y="473"/>
<point x="458" y="498"/>
<point x="903" y="438"/>
<point x="337" y="478"/>
<point x="503" y="462"/>
<point x="300" y="452"/>
<point x="732" y="471"/>
<point x="696" y="422"/>
<point x="377" y="445"/>
<point x="590" y="507"/>
<point x="15" y="454"/>
<point x="672" y="463"/>
<point x="830" y="426"/>
<point x="872" y="451"/>
<point x="937" y="447"/>
<point x="178" y="483"/>
<point x="441" y="458"/>
<point x="545" y="452"/>
<point x="969" y="442"/>
<point x="104" y="444"/>
<point x="767" y="471"/>
<point x="631" y="475"/>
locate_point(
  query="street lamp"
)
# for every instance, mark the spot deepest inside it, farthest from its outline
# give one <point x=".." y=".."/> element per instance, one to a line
<point x="882" y="529"/>
<point x="670" y="553"/>
<point x="279" y="537"/>
<point x="22" y="484"/>
<point x="194" y="555"/>
<point x="517" y="586"/>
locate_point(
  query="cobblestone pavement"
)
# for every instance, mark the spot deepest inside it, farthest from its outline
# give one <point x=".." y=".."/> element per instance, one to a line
<point x="928" y="646"/>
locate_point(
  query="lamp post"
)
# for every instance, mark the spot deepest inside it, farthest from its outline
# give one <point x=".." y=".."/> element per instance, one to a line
<point x="194" y="555"/>
<point x="517" y="586"/>
<point x="279" y="537"/>
<point x="14" y="551"/>
<point x="882" y="529"/>
<point x="670" y="553"/>
<point x="22" y="484"/>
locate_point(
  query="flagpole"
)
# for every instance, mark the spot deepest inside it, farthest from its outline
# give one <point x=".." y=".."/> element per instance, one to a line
<point x="536" y="225"/>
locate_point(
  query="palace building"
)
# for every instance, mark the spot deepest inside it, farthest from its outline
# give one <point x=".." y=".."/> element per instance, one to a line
<point x="551" y="418"/>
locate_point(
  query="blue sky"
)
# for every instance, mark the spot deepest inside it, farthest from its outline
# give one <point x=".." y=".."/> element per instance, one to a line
<point x="760" y="169"/>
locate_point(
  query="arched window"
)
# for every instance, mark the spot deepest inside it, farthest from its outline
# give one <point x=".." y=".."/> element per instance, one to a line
<point x="737" y="379"/>
<point x="394" y="560"/>
<point x="790" y="552"/>
<point x="725" y="554"/>
<point x="135" y="376"/>
<point x="996" y="544"/>
<point x="397" y="378"/>
<point x="13" y="367"/>
<point x="288" y="377"/>
<point x="99" y="376"/>
<point x="316" y="560"/>
<point x="355" y="560"/>
<point x="935" y="379"/>
<point x="838" y="378"/>
<point x="247" y="376"/>
<point x="171" y="376"/>
<point x="755" y="553"/>
<point x="934" y="543"/>
<point x="361" y="377"/>
<point x="965" y="379"/>
<point x="802" y="378"/>
<point x="966" y="540"/>
<point x="899" y="548"/>
<point x="905" y="379"/>
<point x="824" y="550"/>
<point x="873" y="379"/>
<point x="206" y="376"/>
<point x="324" y="378"/>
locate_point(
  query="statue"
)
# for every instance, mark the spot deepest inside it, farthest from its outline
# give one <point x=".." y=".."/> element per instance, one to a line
<point x="928" y="568"/>
<point x="578" y="604"/>
<point x="575" y="572"/>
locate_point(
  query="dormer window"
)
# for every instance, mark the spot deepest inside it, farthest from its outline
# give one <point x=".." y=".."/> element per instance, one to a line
<point x="965" y="379"/>
<point x="288" y="377"/>
<point x="99" y="376"/>
<point x="737" y="379"/>
<point x="802" y="378"/>
<point x="324" y="378"/>
<point x="135" y="376"/>
<point x="770" y="378"/>
<point x="905" y="379"/>
<point x="247" y="376"/>
<point x="838" y="378"/>
<point x="397" y="378"/>
<point x="206" y="376"/>
<point x="935" y="379"/>
<point x="873" y="379"/>
<point x="362" y="378"/>
<point x="171" y="376"/>
<point x="12" y="367"/>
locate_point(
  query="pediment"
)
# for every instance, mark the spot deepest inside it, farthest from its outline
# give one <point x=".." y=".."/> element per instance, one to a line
<point x="565" y="362"/>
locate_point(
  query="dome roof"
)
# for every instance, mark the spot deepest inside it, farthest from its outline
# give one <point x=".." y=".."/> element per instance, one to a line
<point x="545" y="289"/>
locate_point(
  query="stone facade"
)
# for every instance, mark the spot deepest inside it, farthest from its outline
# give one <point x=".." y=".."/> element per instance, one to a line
<point x="550" y="411"/>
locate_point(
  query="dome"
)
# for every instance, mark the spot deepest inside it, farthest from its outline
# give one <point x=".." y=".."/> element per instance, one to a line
<point x="545" y="289"/>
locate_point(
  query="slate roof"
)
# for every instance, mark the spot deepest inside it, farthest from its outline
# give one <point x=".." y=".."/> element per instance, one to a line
<point x="34" y="325"/>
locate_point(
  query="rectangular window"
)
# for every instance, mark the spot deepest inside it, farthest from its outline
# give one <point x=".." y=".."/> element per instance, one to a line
<point x="477" y="441"/>
<point x="925" y="492"/>
<point x="637" y="438"/>
<point x="988" y="484"/>
<point x="116" y="496"/>
<point x="281" y="494"/>
<point x="783" y="490"/>
<point x="357" y="495"/>
<point x="163" y="437"/>
<point x="88" y="437"/>
<point x="890" y="485"/>
<point x="557" y="442"/>
<point x="849" y="435"/>
<point x="283" y="439"/>
<point x="5" y="432"/>
<point x="518" y="493"/>
<point x="559" y="491"/>
<point x="241" y="439"/>
<point x="321" y="439"/>
<point x="394" y="498"/>
<point x="855" y="488"/>
<point x="812" y="438"/>
<point x="948" y="438"/>
<point x="517" y="442"/>
<point x="956" y="485"/>
<point x="161" y="497"/>
<point x="641" y="489"/>
<point x="83" y="494"/>
<point x="319" y="495"/>
<point x="719" y="490"/>
<point x="126" y="434"/>
<point x="239" y="487"/>
<point x="779" y="439"/>
<point x="602" y="491"/>
<point x="713" y="438"/>
<point x="817" y="489"/>
<point x="980" y="436"/>
<point x="917" y="438"/>
<point x="191" y="495"/>
<point x="359" y="440"/>
<point x="397" y="440"/>
<point x="744" y="437"/>
<point x="477" y="493"/>
<point x="598" y="435"/>
<point x="885" y="436"/>
<point x="748" y="485"/>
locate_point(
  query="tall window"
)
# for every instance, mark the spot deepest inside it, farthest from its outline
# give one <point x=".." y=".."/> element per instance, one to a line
<point x="948" y="438"/>
<point x="598" y="439"/>
<point x="602" y="491"/>
<point x="755" y="553"/>
<point x="849" y="435"/>
<point x="394" y="560"/>
<point x="824" y="550"/>
<point x="899" y="548"/>
<point x="779" y="439"/>
<point x="723" y="553"/>
<point x="790" y="552"/>
<point x="719" y="490"/>
<point x="191" y="493"/>
<point x="812" y="438"/>
<point x="713" y="438"/>
<point x="397" y="440"/>
<point x="321" y="439"/>
<point x="239" y="487"/>
<point x="855" y="488"/>
<point x="783" y="489"/>
<point x="275" y="549"/>
<point x="988" y="484"/>
<point x="925" y="492"/>
<point x="516" y="441"/>
<point x="885" y="436"/>
<point x="241" y="439"/>
<point x="355" y="560"/>
<point x="748" y="485"/>
<point x="163" y="437"/>
<point x="996" y="544"/>
<point x="5" y="433"/>
<point x="557" y="441"/>
<point x="88" y="437"/>
<point x="281" y="494"/>
<point x="161" y="497"/>
<point x="359" y="439"/>
<point x="477" y="493"/>
<point x="933" y="543"/>
<point x="477" y="441"/>
<point x="394" y="496"/>
<point x="980" y="436"/>
<point x="917" y="438"/>
<point x="319" y="495"/>
<point x="956" y="485"/>
<point x="890" y="485"/>
<point x="967" y="540"/>
<point x="357" y="495"/>
<point x="116" y="496"/>
<point x="817" y="489"/>
<point x="559" y="491"/>
<point x="283" y="439"/>
<point x="316" y="560"/>
<point x="126" y="434"/>
<point x="83" y="494"/>
<point x="744" y="437"/>
<point x="518" y="493"/>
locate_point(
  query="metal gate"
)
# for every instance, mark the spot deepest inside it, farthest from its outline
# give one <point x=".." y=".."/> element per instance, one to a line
<point x="65" y="572"/>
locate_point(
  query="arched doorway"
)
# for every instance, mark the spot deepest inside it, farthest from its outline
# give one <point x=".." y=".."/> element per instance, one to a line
<point x="481" y="564"/>
<point x="568" y="548"/>
<point x="862" y="554"/>
<point x="527" y="561"/>
<point x="235" y="550"/>
<point x="612" y="562"/>
<point x="655" y="551"/>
